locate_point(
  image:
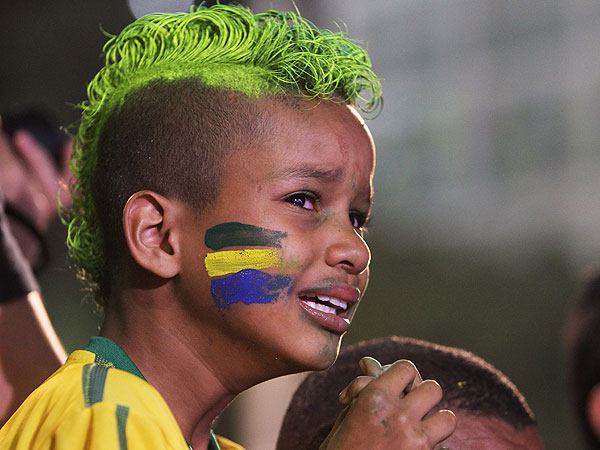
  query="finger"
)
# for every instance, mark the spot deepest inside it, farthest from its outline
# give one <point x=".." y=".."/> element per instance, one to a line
<point x="38" y="162"/>
<point x="12" y="171"/>
<point x="418" y="379"/>
<point x="439" y="426"/>
<point x="353" y="389"/>
<point x="423" y="398"/>
<point x="65" y="174"/>
<point x="370" y="366"/>
<point x="394" y="380"/>
<point x="66" y="151"/>
<point x="65" y="160"/>
<point x="334" y="428"/>
<point x="6" y="151"/>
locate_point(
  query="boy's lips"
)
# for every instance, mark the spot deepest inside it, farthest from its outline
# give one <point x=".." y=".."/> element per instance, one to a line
<point x="330" y="307"/>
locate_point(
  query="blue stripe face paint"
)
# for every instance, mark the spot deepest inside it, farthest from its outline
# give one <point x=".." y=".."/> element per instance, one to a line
<point x="248" y="286"/>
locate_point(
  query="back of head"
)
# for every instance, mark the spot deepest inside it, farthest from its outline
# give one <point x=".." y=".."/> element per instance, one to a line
<point x="583" y="352"/>
<point x="470" y="385"/>
<point x="177" y="95"/>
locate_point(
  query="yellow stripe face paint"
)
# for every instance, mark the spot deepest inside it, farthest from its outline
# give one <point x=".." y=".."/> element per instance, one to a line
<point x="232" y="261"/>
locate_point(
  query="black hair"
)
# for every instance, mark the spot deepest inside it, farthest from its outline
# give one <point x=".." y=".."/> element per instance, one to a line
<point x="171" y="138"/>
<point x="469" y="383"/>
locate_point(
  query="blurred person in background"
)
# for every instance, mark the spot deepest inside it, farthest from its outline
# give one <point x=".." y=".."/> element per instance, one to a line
<point x="34" y="156"/>
<point x="582" y="338"/>
<point x="34" y="170"/>
<point x="491" y="413"/>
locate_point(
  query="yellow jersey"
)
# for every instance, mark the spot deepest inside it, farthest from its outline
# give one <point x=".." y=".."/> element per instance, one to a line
<point x="97" y="400"/>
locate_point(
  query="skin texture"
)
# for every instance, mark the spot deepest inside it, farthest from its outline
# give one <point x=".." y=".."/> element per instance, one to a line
<point x="311" y="179"/>
<point x="486" y="433"/>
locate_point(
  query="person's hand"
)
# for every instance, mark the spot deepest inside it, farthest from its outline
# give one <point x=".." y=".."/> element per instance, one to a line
<point x="29" y="178"/>
<point x="32" y="185"/>
<point x="389" y="408"/>
<point x="371" y="369"/>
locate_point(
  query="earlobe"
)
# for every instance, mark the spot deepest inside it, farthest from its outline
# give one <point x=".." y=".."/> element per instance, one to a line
<point x="593" y="409"/>
<point x="148" y="222"/>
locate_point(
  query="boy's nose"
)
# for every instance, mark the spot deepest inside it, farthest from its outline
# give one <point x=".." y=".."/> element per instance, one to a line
<point x="347" y="249"/>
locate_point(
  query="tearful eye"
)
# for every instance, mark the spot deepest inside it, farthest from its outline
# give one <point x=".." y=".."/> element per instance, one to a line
<point x="357" y="220"/>
<point x="303" y="200"/>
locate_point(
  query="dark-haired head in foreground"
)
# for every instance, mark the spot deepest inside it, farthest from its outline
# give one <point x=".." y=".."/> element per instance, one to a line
<point x="491" y="412"/>
<point x="583" y="358"/>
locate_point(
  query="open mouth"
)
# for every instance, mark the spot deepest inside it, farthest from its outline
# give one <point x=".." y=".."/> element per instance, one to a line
<point x="328" y="305"/>
<point x="331" y="307"/>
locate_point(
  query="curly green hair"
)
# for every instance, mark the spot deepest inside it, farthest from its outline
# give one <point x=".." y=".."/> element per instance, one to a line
<point x="227" y="48"/>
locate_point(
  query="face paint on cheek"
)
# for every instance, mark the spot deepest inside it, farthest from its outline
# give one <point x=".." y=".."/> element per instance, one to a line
<point x="226" y="262"/>
<point x="248" y="286"/>
<point x="245" y="282"/>
<point x="235" y="234"/>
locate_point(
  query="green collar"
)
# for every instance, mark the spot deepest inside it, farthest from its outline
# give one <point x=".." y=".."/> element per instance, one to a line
<point x="109" y="352"/>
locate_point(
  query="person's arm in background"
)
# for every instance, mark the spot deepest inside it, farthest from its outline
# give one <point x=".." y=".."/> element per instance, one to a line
<point x="30" y="350"/>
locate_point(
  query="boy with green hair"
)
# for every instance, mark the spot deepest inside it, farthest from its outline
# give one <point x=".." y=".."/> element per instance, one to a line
<point x="224" y="179"/>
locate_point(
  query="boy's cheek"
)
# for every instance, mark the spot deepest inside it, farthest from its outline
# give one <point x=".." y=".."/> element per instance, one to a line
<point x="264" y="272"/>
<point x="250" y="276"/>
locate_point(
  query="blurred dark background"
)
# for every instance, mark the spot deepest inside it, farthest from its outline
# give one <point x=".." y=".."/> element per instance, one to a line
<point x="487" y="205"/>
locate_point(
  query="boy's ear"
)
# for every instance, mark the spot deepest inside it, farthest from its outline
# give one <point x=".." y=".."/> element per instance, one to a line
<point x="148" y="222"/>
<point x="593" y="409"/>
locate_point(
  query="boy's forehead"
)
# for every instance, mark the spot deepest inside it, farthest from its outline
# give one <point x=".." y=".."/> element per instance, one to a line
<point x="315" y="140"/>
<point x="326" y="141"/>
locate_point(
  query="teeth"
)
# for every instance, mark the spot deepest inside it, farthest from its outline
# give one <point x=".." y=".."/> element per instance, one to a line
<point x="334" y="301"/>
<point x="324" y="308"/>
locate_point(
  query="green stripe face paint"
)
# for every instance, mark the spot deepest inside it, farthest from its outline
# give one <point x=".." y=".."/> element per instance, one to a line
<point x="235" y="234"/>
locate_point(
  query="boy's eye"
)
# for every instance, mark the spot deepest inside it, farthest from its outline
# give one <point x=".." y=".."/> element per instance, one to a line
<point x="304" y="200"/>
<point x="357" y="219"/>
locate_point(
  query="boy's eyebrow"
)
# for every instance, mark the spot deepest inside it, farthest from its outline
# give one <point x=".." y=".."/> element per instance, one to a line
<point x="310" y="172"/>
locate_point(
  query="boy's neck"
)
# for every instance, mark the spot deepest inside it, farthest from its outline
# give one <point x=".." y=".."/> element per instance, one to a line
<point x="183" y="375"/>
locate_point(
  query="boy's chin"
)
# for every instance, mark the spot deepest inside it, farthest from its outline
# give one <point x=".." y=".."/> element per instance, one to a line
<point x="323" y="356"/>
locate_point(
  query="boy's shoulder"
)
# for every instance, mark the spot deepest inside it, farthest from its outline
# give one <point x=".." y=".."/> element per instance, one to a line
<point x="88" y="403"/>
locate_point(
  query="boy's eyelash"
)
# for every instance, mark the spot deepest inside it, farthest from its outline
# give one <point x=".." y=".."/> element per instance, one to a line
<point x="312" y="196"/>
<point x="364" y="220"/>
<point x="368" y="222"/>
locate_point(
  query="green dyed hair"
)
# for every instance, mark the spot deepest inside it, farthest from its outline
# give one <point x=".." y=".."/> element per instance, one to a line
<point x="223" y="47"/>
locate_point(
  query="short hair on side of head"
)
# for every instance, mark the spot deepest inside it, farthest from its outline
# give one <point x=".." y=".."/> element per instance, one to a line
<point x="169" y="102"/>
<point x="469" y="383"/>
<point x="582" y="337"/>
